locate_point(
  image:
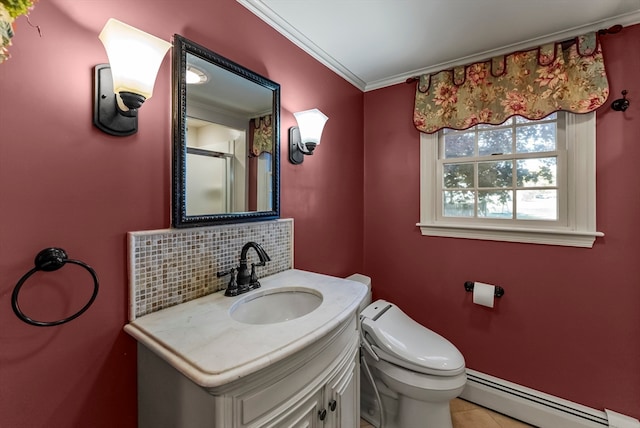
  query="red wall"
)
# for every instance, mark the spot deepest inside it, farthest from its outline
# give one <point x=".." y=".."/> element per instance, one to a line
<point x="568" y="325"/>
<point x="64" y="183"/>
<point x="569" y="322"/>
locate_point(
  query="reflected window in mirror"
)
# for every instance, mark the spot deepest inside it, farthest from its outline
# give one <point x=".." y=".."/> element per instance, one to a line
<point x="226" y="140"/>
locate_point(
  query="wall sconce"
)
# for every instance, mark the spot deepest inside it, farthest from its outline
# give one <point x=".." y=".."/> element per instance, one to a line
<point x="127" y="81"/>
<point x="304" y="138"/>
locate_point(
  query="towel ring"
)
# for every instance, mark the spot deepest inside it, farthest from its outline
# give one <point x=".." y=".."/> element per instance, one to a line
<point x="49" y="260"/>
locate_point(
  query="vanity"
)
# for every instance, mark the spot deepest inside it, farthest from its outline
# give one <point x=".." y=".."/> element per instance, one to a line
<point x="283" y="355"/>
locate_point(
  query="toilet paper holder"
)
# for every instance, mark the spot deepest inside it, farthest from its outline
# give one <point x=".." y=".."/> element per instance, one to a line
<point x="468" y="285"/>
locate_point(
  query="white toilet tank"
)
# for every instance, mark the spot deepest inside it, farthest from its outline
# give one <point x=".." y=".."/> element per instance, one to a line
<point x="366" y="281"/>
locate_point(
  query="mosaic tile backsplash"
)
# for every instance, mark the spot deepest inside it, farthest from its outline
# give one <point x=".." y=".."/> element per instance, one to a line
<point x="172" y="266"/>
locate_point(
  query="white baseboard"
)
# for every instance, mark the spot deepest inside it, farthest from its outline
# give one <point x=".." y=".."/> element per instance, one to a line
<point x="537" y="408"/>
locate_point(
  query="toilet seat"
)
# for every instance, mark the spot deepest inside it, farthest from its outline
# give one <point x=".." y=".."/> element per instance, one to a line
<point x="424" y="386"/>
<point x="399" y="340"/>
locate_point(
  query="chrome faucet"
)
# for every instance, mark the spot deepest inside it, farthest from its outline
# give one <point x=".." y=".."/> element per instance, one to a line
<point x="245" y="280"/>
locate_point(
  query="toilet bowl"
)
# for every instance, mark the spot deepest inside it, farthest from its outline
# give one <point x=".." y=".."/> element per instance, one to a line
<point x="416" y="371"/>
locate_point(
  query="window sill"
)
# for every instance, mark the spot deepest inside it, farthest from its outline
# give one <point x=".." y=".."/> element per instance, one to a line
<point x="568" y="238"/>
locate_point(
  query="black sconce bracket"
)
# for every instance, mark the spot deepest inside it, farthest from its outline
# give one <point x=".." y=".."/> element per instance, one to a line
<point x="107" y="116"/>
<point x="296" y="156"/>
<point x="296" y="148"/>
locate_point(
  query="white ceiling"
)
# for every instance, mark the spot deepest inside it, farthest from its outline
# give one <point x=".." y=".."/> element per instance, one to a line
<point x="377" y="43"/>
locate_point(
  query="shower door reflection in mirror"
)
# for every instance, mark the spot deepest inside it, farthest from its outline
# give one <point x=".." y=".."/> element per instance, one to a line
<point x="218" y="179"/>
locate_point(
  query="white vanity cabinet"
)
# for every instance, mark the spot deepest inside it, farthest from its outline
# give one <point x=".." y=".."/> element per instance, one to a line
<point x="198" y="368"/>
<point x="316" y="387"/>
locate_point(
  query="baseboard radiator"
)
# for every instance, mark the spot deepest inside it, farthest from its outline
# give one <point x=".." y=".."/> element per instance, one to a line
<point x="537" y="408"/>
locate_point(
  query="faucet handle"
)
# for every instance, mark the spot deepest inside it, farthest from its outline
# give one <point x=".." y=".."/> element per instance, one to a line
<point x="232" y="287"/>
<point x="253" y="281"/>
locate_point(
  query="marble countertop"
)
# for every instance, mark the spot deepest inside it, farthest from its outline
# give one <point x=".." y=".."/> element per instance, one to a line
<point x="201" y="340"/>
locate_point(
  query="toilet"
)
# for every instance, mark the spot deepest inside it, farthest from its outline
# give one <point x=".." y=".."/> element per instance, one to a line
<point x="416" y="371"/>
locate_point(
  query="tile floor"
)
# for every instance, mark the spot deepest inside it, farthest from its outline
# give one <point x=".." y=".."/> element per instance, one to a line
<point x="468" y="415"/>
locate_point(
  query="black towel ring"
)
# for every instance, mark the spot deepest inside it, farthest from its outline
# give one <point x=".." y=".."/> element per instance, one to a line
<point x="48" y="260"/>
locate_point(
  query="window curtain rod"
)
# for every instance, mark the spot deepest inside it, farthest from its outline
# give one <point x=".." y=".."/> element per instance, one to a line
<point x="611" y="30"/>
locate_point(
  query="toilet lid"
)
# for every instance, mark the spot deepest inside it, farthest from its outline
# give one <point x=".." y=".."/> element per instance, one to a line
<point x="398" y="339"/>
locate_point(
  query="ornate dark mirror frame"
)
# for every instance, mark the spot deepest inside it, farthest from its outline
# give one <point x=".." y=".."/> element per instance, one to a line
<point x="179" y="217"/>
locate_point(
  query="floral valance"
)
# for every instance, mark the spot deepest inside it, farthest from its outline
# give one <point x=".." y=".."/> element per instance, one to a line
<point x="261" y="135"/>
<point x="532" y="84"/>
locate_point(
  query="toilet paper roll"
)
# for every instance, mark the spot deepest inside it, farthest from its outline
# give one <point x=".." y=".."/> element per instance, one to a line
<point x="484" y="294"/>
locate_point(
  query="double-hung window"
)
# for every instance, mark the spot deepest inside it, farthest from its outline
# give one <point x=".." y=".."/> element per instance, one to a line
<point x="521" y="181"/>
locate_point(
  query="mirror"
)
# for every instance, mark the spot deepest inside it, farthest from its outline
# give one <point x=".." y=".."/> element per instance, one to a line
<point x="226" y="140"/>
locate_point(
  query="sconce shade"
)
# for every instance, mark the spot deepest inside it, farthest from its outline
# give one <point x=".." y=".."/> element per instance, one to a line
<point x="121" y="86"/>
<point x="304" y="138"/>
<point x="311" y="123"/>
<point x="134" y="57"/>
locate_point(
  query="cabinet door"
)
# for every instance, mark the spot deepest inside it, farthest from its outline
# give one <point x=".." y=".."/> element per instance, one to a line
<point x="342" y="398"/>
<point x="305" y="415"/>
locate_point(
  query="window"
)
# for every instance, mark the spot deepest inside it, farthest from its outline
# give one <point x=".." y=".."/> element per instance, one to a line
<point x="521" y="181"/>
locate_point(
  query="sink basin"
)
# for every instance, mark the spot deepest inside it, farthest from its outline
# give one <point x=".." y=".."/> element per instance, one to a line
<point x="275" y="305"/>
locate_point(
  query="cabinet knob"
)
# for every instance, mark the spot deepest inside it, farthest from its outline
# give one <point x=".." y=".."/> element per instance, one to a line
<point x="332" y="405"/>
<point x="322" y="414"/>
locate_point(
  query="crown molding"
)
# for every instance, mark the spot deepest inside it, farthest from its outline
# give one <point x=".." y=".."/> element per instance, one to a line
<point x="264" y="12"/>
<point x="624" y="20"/>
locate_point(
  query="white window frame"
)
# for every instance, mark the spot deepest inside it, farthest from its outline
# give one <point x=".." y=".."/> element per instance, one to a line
<point x="580" y="228"/>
